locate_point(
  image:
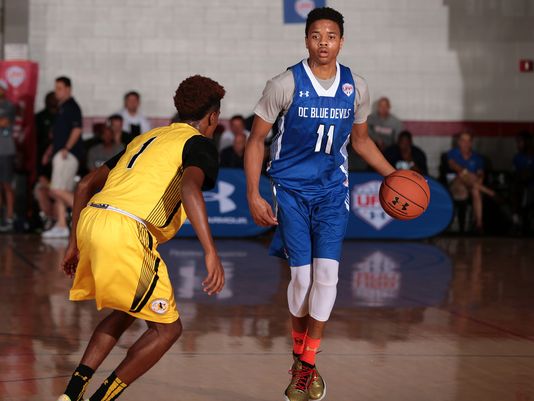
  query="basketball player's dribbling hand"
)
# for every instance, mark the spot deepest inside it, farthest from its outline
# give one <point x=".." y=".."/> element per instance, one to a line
<point x="261" y="212"/>
<point x="70" y="260"/>
<point x="214" y="282"/>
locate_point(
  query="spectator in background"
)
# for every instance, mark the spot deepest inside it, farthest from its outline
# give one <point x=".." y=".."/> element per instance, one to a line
<point x="233" y="156"/>
<point x="237" y="127"/>
<point x="115" y="122"/>
<point x="523" y="182"/>
<point x="103" y="151"/>
<point x="134" y="123"/>
<point x="7" y="156"/>
<point x="405" y="155"/>
<point x="43" y="130"/>
<point x="384" y="126"/>
<point x="469" y="168"/>
<point x="66" y="152"/>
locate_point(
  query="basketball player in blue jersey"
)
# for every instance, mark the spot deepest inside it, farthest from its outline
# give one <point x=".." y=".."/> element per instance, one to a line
<point x="321" y="106"/>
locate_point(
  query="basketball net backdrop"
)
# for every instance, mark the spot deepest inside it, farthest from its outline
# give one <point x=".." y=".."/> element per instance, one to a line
<point x="21" y="78"/>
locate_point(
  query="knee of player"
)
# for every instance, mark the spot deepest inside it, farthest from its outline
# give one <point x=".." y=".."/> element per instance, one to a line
<point x="300" y="277"/>
<point x="171" y="332"/>
<point x="325" y="272"/>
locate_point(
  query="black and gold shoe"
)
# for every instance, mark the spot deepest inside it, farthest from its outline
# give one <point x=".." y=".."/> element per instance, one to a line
<point x="301" y="375"/>
<point x="317" y="388"/>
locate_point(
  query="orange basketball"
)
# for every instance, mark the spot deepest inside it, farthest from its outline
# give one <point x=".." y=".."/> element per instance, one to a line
<point x="404" y="194"/>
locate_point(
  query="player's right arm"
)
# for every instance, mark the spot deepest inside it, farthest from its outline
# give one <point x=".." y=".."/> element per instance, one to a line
<point x="260" y="209"/>
<point x="276" y="97"/>
<point x="88" y="186"/>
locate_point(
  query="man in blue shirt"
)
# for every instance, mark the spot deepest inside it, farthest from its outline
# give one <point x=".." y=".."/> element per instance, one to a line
<point x="321" y="106"/>
<point x="469" y="168"/>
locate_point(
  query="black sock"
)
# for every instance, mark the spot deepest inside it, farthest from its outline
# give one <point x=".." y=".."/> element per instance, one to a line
<point x="110" y="389"/>
<point x="78" y="382"/>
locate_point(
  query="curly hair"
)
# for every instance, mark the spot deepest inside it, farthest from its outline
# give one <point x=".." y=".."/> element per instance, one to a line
<point x="196" y="96"/>
<point x="324" y="13"/>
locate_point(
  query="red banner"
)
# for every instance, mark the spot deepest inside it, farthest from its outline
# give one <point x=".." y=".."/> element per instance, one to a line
<point x="21" y="77"/>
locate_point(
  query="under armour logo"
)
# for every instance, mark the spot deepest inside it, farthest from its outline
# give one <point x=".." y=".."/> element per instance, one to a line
<point x="225" y="190"/>
<point x="304" y="93"/>
<point x="396" y="200"/>
<point x="84" y="378"/>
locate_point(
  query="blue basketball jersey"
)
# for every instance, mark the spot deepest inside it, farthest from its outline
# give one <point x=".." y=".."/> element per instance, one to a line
<point x="309" y="153"/>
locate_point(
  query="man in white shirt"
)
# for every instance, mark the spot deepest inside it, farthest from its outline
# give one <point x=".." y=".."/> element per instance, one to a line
<point x="237" y="128"/>
<point x="134" y="123"/>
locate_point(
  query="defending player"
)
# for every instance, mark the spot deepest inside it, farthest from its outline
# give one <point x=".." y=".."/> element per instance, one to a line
<point x="321" y="106"/>
<point x="145" y="193"/>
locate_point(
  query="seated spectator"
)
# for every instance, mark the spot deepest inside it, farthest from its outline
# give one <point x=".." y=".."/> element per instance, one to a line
<point x="405" y="155"/>
<point x="105" y="150"/>
<point x="134" y="123"/>
<point x="115" y="122"/>
<point x="233" y="156"/>
<point x="43" y="132"/>
<point x="237" y="127"/>
<point x="384" y="126"/>
<point x="469" y="169"/>
<point x="523" y="185"/>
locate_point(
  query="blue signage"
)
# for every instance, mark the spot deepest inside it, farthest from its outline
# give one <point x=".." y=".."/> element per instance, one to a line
<point x="251" y="278"/>
<point x="392" y="274"/>
<point x="296" y="11"/>
<point x="368" y="219"/>
<point x="227" y="207"/>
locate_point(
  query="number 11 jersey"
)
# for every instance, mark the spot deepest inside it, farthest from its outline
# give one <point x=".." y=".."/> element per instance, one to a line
<point x="309" y="153"/>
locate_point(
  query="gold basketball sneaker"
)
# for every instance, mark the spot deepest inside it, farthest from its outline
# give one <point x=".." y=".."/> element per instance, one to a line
<point x="301" y="376"/>
<point x="317" y="388"/>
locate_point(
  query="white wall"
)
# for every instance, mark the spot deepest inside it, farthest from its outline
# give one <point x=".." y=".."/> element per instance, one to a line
<point x="409" y="50"/>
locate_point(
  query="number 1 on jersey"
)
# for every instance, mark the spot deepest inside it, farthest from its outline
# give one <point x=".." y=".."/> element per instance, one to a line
<point x="330" y="136"/>
<point x="143" y="148"/>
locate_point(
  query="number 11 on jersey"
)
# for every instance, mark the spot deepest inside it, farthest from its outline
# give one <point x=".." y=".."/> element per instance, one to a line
<point x="330" y="136"/>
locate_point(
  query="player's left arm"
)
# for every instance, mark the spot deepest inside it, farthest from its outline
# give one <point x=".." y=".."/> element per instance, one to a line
<point x="88" y="186"/>
<point x="364" y="146"/>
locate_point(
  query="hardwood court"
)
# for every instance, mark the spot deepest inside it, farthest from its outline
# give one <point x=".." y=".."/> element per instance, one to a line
<point x="449" y="319"/>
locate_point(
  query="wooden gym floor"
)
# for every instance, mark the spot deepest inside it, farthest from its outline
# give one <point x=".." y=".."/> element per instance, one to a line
<point x="446" y="319"/>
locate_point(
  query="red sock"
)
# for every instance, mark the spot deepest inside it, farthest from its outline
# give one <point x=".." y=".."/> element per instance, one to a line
<point x="298" y="342"/>
<point x="311" y="346"/>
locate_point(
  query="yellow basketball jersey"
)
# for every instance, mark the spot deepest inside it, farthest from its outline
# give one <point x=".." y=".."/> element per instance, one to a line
<point x="147" y="180"/>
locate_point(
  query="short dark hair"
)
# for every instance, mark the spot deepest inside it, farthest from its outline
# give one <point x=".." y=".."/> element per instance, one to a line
<point x="115" y="117"/>
<point x="238" y="117"/>
<point x="196" y="96"/>
<point x="132" y="93"/>
<point x="405" y="134"/>
<point x="324" y="13"/>
<point x="65" y="81"/>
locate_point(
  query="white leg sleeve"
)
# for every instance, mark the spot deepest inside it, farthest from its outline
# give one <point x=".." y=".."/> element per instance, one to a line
<point x="298" y="290"/>
<point x="324" y="288"/>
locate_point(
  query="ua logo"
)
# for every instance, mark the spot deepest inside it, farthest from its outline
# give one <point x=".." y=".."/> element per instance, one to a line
<point x="224" y="191"/>
<point x="304" y="93"/>
<point x="396" y="201"/>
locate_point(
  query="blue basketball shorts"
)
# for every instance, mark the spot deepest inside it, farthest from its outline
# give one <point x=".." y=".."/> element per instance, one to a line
<point x="310" y="226"/>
